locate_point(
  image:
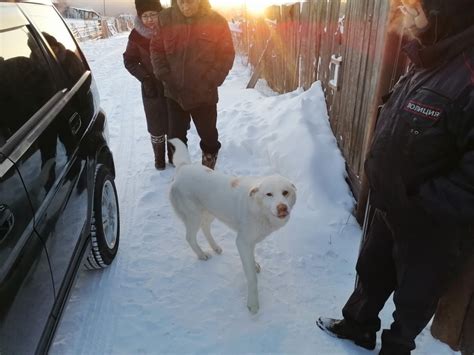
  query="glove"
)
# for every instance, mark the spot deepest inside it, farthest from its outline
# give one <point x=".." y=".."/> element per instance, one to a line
<point x="149" y="87"/>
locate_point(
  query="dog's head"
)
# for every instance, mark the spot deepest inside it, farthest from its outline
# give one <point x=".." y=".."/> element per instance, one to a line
<point x="275" y="196"/>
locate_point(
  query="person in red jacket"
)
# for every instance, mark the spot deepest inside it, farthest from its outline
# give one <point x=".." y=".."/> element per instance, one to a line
<point x="192" y="54"/>
<point x="137" y="61"/>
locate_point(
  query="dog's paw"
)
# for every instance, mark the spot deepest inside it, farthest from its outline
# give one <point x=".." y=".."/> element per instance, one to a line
<point x="253" y="308"/>
<point x="218" y="250"/>
<point x="204" y="256"/>
<point x="258" y="268"/>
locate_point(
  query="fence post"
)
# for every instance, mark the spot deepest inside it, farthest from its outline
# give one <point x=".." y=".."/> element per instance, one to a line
<point x="305" y="61"/>
<point x="258" y="66"/>
<point x="296" y="26"/>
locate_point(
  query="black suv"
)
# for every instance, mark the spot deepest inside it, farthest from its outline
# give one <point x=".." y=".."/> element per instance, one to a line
<point x="58" y="202"/>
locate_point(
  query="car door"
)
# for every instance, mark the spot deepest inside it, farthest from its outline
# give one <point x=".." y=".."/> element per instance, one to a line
<point x="57" y="179"/>
<point x="26" y="286"/>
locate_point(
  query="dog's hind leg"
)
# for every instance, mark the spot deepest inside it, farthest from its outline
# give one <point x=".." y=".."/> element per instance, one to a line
<point x="206" y="229"/>
<point x="193" y="222"/>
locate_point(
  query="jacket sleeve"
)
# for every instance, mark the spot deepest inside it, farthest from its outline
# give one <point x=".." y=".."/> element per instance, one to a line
<point x="225" y="55"/>
<point x="132" y="61"/>
<point x="450" y="197"/>
<point x="160" y="64"/>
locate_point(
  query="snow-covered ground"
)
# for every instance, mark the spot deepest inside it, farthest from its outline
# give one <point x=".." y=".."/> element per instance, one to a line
<point x="158" y="298"/>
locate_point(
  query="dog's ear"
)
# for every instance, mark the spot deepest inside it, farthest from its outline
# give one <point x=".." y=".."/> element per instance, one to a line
<point x="253" y="191"/>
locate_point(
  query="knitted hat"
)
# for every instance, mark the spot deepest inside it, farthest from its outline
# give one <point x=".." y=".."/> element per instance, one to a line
<point x="147" y="5"/>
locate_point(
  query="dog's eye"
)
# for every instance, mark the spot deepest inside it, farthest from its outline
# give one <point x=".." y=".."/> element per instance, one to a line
<point x="285" y="193"/>
<point x="269" y="194"/>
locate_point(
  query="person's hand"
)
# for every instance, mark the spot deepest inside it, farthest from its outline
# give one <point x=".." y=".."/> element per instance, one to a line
<point x="149" y="87"/>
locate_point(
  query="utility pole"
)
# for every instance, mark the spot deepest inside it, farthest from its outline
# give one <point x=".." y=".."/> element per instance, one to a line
<point x="103" y="2"/>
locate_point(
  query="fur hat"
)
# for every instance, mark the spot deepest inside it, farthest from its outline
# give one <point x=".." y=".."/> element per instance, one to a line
<point x="147" y="5"/>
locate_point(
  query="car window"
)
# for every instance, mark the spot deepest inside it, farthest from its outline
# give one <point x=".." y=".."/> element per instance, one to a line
<point x="50" y="24"/>
<point x="26" y="83"/>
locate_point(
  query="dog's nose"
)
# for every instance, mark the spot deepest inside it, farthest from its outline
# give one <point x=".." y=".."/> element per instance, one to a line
<point x="282" y="210"/>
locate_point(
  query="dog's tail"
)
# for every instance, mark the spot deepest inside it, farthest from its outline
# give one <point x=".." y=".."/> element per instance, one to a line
<point x="180" y="152"/>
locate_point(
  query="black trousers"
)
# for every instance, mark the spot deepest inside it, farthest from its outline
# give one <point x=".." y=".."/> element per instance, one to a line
<point x="156" y="111"/>
<point x="205" y="120"/>
<point x="416" y="265"/>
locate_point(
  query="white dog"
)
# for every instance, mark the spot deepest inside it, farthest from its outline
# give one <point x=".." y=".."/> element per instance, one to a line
<point x="252" y="206"/>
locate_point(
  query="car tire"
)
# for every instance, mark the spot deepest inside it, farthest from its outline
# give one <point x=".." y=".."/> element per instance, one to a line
<point x="105" y="222"/>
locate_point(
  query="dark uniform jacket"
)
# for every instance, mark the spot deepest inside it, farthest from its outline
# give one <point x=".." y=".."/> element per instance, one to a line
<point x="192" y="56"/>
<point x="421" y="163"/>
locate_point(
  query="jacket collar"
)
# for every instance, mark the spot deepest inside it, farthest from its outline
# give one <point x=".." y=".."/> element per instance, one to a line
<point x="142" y="29"/>
<point x="446" y="49"/>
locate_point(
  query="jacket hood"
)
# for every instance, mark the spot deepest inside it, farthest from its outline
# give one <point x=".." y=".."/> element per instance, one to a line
<point x="142" y="29"/>
<point x="446" y="18"/>
<point x="443" y="50"/>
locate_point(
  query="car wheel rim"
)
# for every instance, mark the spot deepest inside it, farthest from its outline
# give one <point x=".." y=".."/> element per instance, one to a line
<point x="109" y="214"/>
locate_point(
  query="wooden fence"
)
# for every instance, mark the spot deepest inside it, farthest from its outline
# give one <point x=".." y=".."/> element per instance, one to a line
<point x="85" y="30"/>
<point x="347" y="47"/>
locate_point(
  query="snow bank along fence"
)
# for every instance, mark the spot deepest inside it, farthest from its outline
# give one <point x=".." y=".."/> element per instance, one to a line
<point x="104" y="27"/>
<point x="345" y="45"/>
<point x="348" y="45"/>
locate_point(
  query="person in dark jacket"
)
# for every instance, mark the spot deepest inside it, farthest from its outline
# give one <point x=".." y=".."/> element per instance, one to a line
<point x="192" y="54"/>
<point x="420" y="169"/>
<point x="137" y="61"/>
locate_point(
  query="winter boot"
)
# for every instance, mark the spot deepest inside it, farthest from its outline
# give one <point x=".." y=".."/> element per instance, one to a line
<point x="344" y="329"/>
<point x="209" y="160"/>
<point x="158" y="143"/>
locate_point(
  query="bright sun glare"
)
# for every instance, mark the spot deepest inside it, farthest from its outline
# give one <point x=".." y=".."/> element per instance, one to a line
<point x="254" y="6"/>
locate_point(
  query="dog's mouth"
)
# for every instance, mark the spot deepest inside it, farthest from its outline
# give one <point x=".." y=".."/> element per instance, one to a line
<point x="283" y="214"/>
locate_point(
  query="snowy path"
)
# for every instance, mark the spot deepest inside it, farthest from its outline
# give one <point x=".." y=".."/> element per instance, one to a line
<point x="158" y="298"/>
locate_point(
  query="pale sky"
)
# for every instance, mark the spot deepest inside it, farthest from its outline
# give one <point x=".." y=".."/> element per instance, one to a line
<point x="115" y="7"/>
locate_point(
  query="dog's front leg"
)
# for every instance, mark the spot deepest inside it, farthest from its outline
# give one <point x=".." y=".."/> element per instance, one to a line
<point x="246" y="252"/>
